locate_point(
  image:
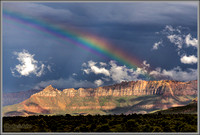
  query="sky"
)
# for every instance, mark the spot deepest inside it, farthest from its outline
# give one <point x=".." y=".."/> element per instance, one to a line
<point x="92" y="44"/>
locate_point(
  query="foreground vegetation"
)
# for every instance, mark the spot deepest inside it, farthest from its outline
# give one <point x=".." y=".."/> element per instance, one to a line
<point x="103" y="123"/>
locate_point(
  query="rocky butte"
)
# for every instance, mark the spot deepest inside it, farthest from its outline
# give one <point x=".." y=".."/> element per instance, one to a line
<point x="126" y="97"/>
<point x="138" y="88"/>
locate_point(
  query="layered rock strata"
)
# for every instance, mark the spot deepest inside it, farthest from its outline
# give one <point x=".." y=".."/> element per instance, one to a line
<point x="138" y="88"/>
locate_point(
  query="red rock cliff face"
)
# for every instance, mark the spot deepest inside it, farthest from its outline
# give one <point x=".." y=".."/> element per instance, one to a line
<point x="50" y="100"/>
<point x="138" y="88"/>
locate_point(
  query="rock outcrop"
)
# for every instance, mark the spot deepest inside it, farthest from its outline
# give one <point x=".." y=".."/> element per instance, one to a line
<point x="134" y="96"/>
<point x="138" y="88"/>
<point x="49" y="91"/>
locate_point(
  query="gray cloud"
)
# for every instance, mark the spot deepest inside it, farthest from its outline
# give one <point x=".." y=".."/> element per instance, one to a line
<point x="131" y="23"/>
<point x="65" y="83"/>
<point x="176" y="74"/>
<point x="33" y="9"/>
<point x="118" y="12"/>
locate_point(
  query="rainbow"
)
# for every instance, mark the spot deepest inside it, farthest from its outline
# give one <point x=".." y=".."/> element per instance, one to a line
<point x="84" y="40"/>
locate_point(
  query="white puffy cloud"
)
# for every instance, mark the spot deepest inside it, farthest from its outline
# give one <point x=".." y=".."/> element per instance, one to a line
<point x="102" y="63"/>
<point x="156" y="45"/>
<point x="170" y="29"/>
<point x="28" y="65"/>
<point x="174" y="35"/>
<point x="189" y="59"/>
<point x="98" y="82"/>
<point x="178" y="36"/>
<point x="121" y="73"/>
<point x="145" y="63"/>
<point x="191" y="41"/>
<point x="87" y="71"/>
<point x="156" y="72"/>
<point x="91" y="63"/>
<point x="118" y="73"/>
<point x="65" y="83"/>
<point x="176" y="74"/>
<point x="181" y="38"/>
<point x="95" y="69"/>
<point x="176" y="39"/>
<point x="140" y="71"/>
<point x="114" y="72"/>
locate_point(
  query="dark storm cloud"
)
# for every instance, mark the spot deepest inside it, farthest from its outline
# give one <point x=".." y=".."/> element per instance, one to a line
<point x="130" y="26"/>
<point x="111" y="12"/>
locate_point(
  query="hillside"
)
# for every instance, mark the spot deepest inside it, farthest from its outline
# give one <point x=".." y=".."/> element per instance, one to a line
<point x="190" y="108"/>
<point x="126" y="97"/>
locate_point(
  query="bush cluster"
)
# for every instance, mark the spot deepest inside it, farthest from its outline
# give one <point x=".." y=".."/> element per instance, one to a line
<point x="102" y="123"/>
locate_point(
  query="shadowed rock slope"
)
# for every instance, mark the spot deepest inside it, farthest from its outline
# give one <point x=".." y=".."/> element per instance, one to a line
<point x="190" y="108"/>
<point x="126" y="97"/>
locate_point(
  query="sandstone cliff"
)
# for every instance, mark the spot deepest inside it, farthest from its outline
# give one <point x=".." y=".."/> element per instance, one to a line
<point x="134" y="96"/>
<point x="138" y="88"/>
